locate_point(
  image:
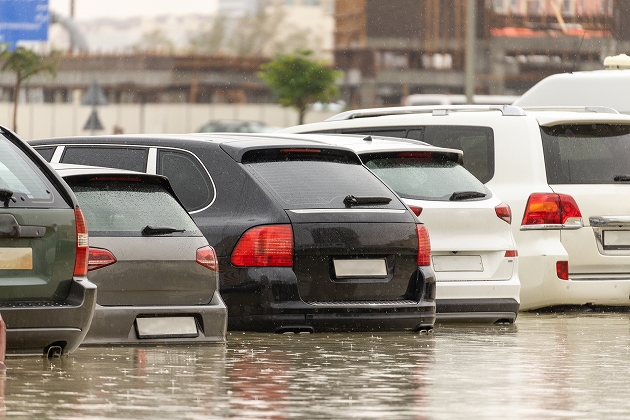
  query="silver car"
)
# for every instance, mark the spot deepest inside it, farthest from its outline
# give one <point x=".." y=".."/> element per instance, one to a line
<point x="157" y="277"/>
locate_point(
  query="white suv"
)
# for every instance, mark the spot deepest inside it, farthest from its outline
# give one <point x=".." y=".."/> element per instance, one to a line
<point x="564" y="172"/>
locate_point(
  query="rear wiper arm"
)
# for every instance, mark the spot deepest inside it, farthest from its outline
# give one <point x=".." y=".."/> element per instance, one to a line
<point x="159" y="230"/>
<point x="621" y="178"/>
<point x="465" y="195"/>
<point x="352" y="200"/>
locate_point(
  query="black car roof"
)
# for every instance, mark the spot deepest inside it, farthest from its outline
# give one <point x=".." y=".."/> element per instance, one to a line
<point x="235" y="145"/>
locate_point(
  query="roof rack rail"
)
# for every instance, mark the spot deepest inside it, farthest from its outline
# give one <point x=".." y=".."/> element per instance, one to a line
<point x="598" y="109"/>
<point x="508" y="110"/>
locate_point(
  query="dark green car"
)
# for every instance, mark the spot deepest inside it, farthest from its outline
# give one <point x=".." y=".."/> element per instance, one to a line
<point x="46" y="299"/>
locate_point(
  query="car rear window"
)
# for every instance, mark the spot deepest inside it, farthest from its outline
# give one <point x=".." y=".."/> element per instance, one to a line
<point x="302" y="183"/>
<point x="587" y="153"/>
<point x="125" y="208"/>
<point x="423" y="176"/>
<point x="20" y="178"/>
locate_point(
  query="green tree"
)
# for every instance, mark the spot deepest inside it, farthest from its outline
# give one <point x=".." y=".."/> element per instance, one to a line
<point x="25" y="64"/>
<point x="299" y="82"/>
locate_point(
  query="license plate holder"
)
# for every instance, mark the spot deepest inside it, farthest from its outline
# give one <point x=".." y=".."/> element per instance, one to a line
<point x="616" y="239"/>
<point x="360" y="267"/>
<point x="443" y="263"/>
<point x="16" y="258"/>
<point x="166" y="327"/>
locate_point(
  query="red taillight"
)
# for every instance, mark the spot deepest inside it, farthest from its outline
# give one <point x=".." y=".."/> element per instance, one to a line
<point x="504" y="212"/>
<point x="265" y="246"/>
<point x="511" y="253"/>
<point x="99" y="258"/>
<point x="550" y="209"/>
<point x="562" y="270"/>
<point x="81" y="258"/>
<point x="208" y="258"/>
<point x="416" y="210"/>
<point x="424" y="246"/>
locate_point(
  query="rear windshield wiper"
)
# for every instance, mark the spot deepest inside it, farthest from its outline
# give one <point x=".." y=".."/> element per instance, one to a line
<point x="621" y="178"/>
<point x="352" y="200"/>
<point x="159" y="230"/>
<point x="466" y="195"/>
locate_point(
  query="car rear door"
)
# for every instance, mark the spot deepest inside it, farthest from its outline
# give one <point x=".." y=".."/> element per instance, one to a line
<point x="591" y="163"/>
<point x="152" y="239"/>
<point x="37" y="231"/>
<point x="354" y="240"/>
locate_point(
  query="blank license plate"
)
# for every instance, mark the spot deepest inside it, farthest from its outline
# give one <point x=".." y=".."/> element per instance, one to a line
<point x="16" y="259"/>
<point x="360" y="268"/>
<point x="616" y="239"/>
<point x="167" y="327"/>
<point x="457" y="263"/>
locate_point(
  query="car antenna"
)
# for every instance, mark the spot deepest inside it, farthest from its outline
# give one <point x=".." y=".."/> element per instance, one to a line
<point x="578" y="52"/>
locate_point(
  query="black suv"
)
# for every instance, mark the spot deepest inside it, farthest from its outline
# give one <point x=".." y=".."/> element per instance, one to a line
<point x="46" y="299"/>
<point x="308" y="239"/>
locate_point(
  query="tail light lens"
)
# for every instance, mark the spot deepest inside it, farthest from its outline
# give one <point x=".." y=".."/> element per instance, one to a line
<point x="207" y="257"/>
<point x="424" y="246"/>
<point x="551" y="211"/>
<point x="504" y="212"/>
<point x="416" y="210"/>
<point x="562" y="270"/>
<point x="99" y="258"/>
<point x="511" y="253"/>
<point x="81" y="258"/>
<point x="265" y="246"/>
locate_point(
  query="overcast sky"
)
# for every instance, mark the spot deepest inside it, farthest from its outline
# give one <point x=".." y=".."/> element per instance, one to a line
<point x="91" y="9"/>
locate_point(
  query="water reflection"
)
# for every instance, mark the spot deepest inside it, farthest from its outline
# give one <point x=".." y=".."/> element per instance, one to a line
<point x="545" y="366"/>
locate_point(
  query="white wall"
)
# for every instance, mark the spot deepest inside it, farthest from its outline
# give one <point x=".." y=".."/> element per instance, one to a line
<point x="39" y="120"/>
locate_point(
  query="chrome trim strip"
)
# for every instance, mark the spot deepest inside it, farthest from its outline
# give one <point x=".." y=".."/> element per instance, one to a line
<point x="597" y="221"/>
<point x="56" y="157"/>
<point x="321" y="211"/>
<point x="550" y="227"/>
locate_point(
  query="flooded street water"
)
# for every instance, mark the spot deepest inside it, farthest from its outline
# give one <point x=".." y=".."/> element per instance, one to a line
<point x="573" y="365"/>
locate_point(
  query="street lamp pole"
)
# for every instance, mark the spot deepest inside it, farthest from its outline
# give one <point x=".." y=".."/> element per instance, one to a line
<point x="471" y="26"/>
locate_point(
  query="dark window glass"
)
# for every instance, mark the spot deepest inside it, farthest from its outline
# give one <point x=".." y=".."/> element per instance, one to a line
<point x="114" y="208"/>
<point x="188" y="177"/>
<point x="46" y="152"/>
<point x="415" y="135"/>
<point x="129" y="158"/>
<point x="23" y="181"/>
<point x="587" y="154"/>
<point x="477" y="143"/>
<point x="319" y="184"/>
<point x="424" y="178"/>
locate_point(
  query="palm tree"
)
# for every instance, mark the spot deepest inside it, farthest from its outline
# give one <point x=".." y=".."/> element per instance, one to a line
<point x="25" y="63"/>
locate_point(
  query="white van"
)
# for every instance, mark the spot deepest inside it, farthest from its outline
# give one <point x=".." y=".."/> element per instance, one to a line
<point x="607" y="88"/>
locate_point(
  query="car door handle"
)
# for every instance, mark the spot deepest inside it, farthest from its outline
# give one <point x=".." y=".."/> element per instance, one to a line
<point x="10" y="228"/>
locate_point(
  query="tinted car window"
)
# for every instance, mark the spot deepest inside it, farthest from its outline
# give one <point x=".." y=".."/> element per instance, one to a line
<point x="188" y="177"/>
<point x="46" y="152"/>
<point x="423" y="178"/>
<point x="130" y="158"/>
<point x="319" y="184"/>
<point x="477" y="143"/>
<point x="115" y="208"/>
<point x="26" y="185"/>
<point x="587" y="154"/>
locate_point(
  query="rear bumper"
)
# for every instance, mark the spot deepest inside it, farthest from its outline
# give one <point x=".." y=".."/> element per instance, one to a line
<point x="477" y="310"/>
<point x="34" y="328"/>
<point x="116" y="324"/>
<point x="270" y="302"/>
<point x="347" y="318"/>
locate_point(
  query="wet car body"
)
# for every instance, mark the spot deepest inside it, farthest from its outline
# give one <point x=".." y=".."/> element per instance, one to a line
<point x="157" y="277"/>
<point x="287" y="237"/>
<point x="46" y="299"/>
